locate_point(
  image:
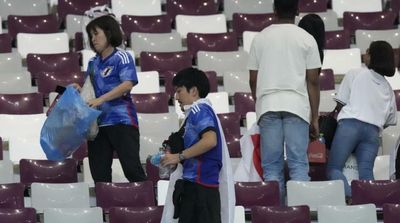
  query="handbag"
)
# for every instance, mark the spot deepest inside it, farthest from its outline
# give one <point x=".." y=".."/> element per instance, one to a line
<point x="327" y="126"/>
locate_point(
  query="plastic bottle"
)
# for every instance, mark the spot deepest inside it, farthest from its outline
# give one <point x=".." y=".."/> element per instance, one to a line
<point x="164" y="171"/>
<point x="156" y="158"/>
<point x="321" y="138"/>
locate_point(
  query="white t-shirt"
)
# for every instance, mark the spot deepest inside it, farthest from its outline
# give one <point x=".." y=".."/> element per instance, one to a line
<point x="367" y="97"/>
<point x="281" y="53"/>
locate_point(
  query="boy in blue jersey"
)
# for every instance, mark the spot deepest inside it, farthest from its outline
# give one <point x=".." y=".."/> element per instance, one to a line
<point x="113" y="75"/>
<point x="202" y="154"/>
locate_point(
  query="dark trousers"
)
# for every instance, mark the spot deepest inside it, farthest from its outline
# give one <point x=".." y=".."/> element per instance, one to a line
<point x="124" y="139"/>
<point x="199" y="204"/>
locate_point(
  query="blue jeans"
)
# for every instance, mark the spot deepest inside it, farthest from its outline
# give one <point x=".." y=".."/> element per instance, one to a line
<point x="277" y="128"/>
<point x="355" y="136"/>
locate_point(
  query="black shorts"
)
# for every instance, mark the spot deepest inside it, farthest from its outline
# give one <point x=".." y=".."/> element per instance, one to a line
<point x="199" y="204"/>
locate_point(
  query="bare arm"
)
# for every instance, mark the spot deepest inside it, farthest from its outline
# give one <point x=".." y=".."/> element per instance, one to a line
<point x="118" y="91"/>
<point x="312" y="79"/>
<point x="253" y="83"/>
<point x="208" y="141"/>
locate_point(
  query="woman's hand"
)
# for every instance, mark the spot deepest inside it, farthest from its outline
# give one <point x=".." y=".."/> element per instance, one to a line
<point x="170" y="159"/>
<point x="76" y="86"/>
<point x="95" y="102"/>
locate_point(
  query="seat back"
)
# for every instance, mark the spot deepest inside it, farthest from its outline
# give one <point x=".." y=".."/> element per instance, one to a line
<point x="222" y="61"/>
<point x="32" y="24"/>
<point x="148" y="82"/>
<point x="5" y="42"/>
<point x="341" y="213"/>
<point x="15" y="7"/>
<point x="315" y="193"/>
<point x="140" y="214"/>
<point x="391" y="213"/>
<point x="137" y="194"/>
<point x="61" y="62"/>
<point x="376" y="192"/>
<point x="200" y="24"/>
<point x="243" y="103"/>
<point x="77" y="7"/>
<point x="312" y="6"/>
<point x="151" y="103"/>
<point x="42" y="43"/>
<point x="12" y="195"/>
<point x="338" y="39"/>
<point x="59" y="195"/>
<point x="76" y="215"/>
<point x="156" y="42"/>
<point x="247" y="6"/>
<point x="251" y="22"/>
<point x="135" y="7"/>
<point x="190" y="7"/>
<point x="342" y="60"/>
<point x="365" y="37"/>
<point x="236" y="81"/>
<point x="326" y="80"/>
<point x="165" y="61"/>
<point x="340" y="6"/>
<point x="26" y="215"/>
<point x="31" y="103"/>
<point x="219" y="101"/>
<point x="300" y="214"/>
<point x="146" y="24"/>
<point x="368" y="20"/>
<point x="211" y="42"/>
<point x="249" y="194"/>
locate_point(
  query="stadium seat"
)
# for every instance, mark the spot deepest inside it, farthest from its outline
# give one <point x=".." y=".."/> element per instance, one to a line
<point x="263" y="214"/>
<point x="200" y="24"/>
<point x="75" y="215"/>
<point x="32" y="24"/>
<point x="326" y="80"/>
<point x="165" y="61"/>
<point x="243" y="103"/>
<point x="339" y="39"/>
<point x="48" y="81"/>
<point x="230" y="123"/>
<point x="250" y="194"/>
<point x="312" y="6"/>
<point x="77" y="7"/>
<point x="31" y="103"/>
<point x="329" y="17"/>
<point x="391" y="213"/>
<point x="340" y="6"/>
<point x="368" y="20"/>
<point x="156" y="42"/>
<point x="246" y="6"/>
<point x="222" y="61"/>
<point x="137" y="194"/>
<point x="16" y="7"/>
<point x="151" y="103"/>
<point x="377" y="192"/>
<point x="6" y="170"/>
<point x="211" y="42"/>
<point x="341" y="213"/>
<point x="251" y="22"/>
<point x="140" y="214"/>
<point x="42" y="43"/>
<point x="236" y="81"/>
<point x="135" y="7"/>
<point x="315" y="193"/>
<point x="12" y="195"/>
<point x="190" y="7"/>
<point x="26" y="215"/>
<point x="149" y="82"/>
<point x="5" y="43"/>
<point x="146" y="24"/>
<point x="342" y="60"/>
<point x="365" y="37"/>
<point x="59" y="195"/>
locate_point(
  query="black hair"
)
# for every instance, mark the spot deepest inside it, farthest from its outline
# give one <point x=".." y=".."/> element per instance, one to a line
<point x="286" y="9"/>
<point x="192" y="77"/>
<point x="382" y="58"/>
<point x="314" y="25"/>
<point x="110" y="28"/>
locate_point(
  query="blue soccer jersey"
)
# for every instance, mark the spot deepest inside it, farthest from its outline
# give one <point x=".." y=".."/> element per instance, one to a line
<point x="203" y="169"/>
<point x="108" y="74"/>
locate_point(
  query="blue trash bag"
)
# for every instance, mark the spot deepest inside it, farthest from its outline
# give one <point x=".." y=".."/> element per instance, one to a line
<point x="67" y="126"/>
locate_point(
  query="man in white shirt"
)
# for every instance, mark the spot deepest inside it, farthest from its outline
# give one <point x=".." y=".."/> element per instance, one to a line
<point x="284" y="80"/>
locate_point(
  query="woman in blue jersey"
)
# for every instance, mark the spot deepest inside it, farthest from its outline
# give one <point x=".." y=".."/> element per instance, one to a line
<point x="113" y="75"/>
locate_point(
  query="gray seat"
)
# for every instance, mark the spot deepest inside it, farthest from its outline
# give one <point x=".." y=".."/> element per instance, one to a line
<point x="247" y="6"/>
<point x="236" y="81"/>
<point x="6" y="172"/>
<point x="222" y="61"/>
<point x="365" y="37"/>
<point x="10" y="62"/>
<point x="73" y="24"/>
<point x="156" y="42"/>
<point x="329" y="17"/>
<point x="18" y="7"/>
<point x="15" y="82"/>
<point x="76" y="215"/>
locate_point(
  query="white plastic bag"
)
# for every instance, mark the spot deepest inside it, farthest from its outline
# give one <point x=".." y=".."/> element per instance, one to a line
<point x="87" y="93"/>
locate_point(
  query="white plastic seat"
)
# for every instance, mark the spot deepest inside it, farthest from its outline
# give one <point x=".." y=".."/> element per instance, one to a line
<point x="154" y="129"/>
<point x="342" y="60"/>
<point x="247" y="6"/>
<point x="135" y="7"/>
<point x="236" y="81"/>
<point x="75" y="215"/>
<point x="17" y="7"/>
<point x="117" y="172"/>
<point x="329" y="17"/>
<point x="222" y="61"/>
<point x="200" y="24"/>
<point x="156" y="42"/>
<point x="149" y="82"/>
<point x="1" y="26"/>
<point x="248" y="37"/>
<point x="87" y="54"/>
<point x="42" y="43"/>
<point x="219" y="101"/>
<point x="59" y="195"/>
<point x="326" y="102"/>
<point x="340" y="6"/>
<point x="239" y="215"/>
<point x="251" y="118"/>
<point x="394" y="81"/>
<point x="16" y="83"/>
<point x="10" y="62"/>
<point x="381" y="167"/>
<point x="365" y="213"/>
<point x="365" y="37"/>
<point x="6" y="172"/>
<point x="162" y="189"/>
<point x="315" y="193"/>
<point x="23" y="134"/>
<point x="73" y="24"/>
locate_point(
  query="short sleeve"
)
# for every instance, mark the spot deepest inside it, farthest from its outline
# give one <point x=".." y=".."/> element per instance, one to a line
<point x="203" y="120"/>
<point x="392" y="117"/>
<point x="253" y="60"/>
<point x="313" y="59"/>
<point x="127" y="70"/>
